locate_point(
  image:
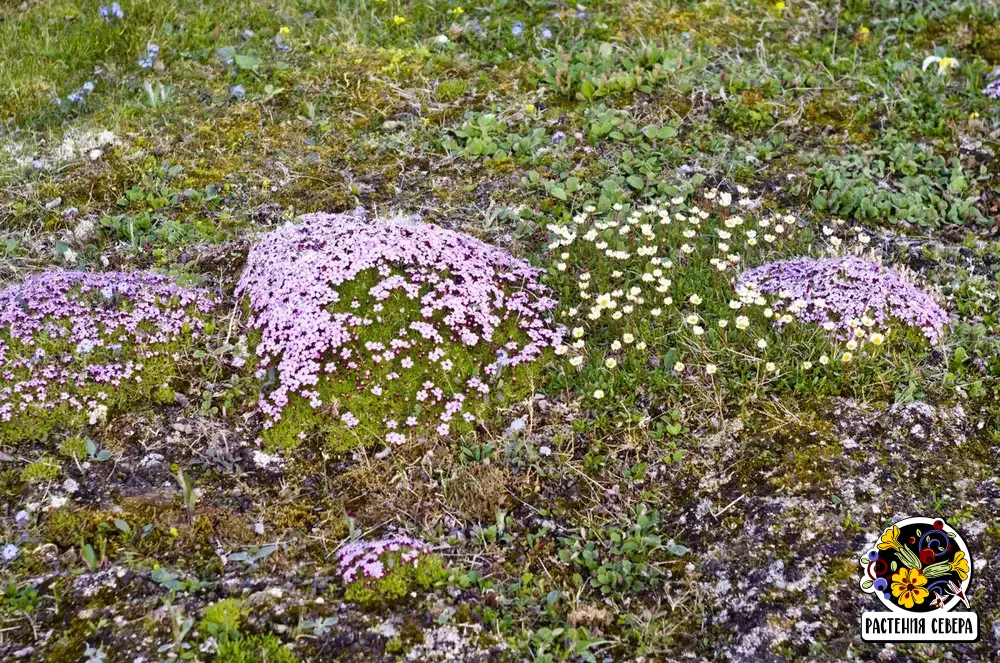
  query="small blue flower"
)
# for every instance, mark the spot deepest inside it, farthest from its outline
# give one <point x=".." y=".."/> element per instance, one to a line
<point x="146" y="63"/>
<point x="517" y="29"/>
<point x="112" y="12"/>
<point x="248" y="34"/>
<point x="558" y="137"/>
<point x="88" y="87"/>
<point x="237" y="91"/>
<point x="152" y="50"/>
<point x="75" y="97"/>
<point x="546" y="34"/>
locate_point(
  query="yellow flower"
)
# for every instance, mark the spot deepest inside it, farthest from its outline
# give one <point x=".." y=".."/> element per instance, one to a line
<point x="908" y="587"/>
<point x="398" y="20"/>
<point x="174" y="532"/>
<point x="457" y="11"/>
<point x="890" y="539"/>
<point x="285" y="31"/>
<point x="960" y="565"/>
<point x="877" y="339"/>
<point x="846" y="357"/>
<point x="779" y="5"/>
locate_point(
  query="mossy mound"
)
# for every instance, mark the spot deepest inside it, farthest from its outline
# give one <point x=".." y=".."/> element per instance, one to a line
<point x="74" y="346"/>
<point x="385" y="330"/>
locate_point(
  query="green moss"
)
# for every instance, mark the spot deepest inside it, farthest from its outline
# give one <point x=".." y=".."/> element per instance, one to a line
<point x="451" y="89"/>
<point x="43" y="469"/>
<point x="223" y="616"/>
<point x="400" y="580"/>
<point x="254" y="649"/>
<point x="73" y="447"/>
<point x="163" y="395"/>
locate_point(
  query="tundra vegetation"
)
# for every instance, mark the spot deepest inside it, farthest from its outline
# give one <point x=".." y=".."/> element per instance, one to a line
<point x="535" y="330"/>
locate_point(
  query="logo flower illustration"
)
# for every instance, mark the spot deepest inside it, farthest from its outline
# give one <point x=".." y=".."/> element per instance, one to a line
<point x="908" y="587"/>
<point x="917" y="565"/>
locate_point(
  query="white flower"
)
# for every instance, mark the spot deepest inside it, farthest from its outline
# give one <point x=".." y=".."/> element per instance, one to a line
<point x="628" y="338"/>
<point x="723" y="323"/>
<point x="945" y="64"/>
<point x="679" y="367"/>
<point x="98" y="415"/>
<point x="806" y="365"/>
<point x="70" y="486"/>
<point x="695" y="299"/>
<point x="598" y="394"/>
<point x="691" y="319"/>
<point x="710" y="369"/>
<point x="742" y="322"/>
<point x="610" y="362"/>
<point x="770" y="367"/>
<point x="697" y="330"/>
<point x="877" y="339"/>
<point x="824" y="360"/>
<point x="10" y="551"/>
<point x="576" y="361"/>
<point x="578" y="332"/>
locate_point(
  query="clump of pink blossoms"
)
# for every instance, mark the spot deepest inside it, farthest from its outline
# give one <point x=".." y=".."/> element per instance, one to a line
<point x="365" y="560"/>
<point x="387" y="328"/>
<point x="72" y="343"/>
<point x="840" y="292"/>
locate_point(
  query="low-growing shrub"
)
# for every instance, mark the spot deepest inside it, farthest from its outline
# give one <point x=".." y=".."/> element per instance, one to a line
<point x="74" y="346"/>
<point x="384" y="330"/>
<point x="906" y="184"/>
<point x="591" y="71"/>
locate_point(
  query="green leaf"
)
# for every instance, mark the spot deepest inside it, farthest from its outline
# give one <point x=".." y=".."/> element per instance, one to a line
<point x="558" y="192"/>
<point x="89" y="556"/>
<point x="122" y="525"/>
<point x="635" y="181"/>
<point x="246" y="61"/>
